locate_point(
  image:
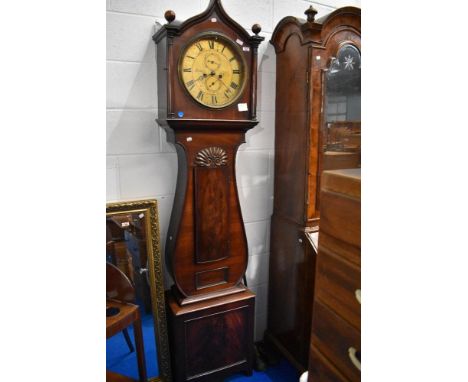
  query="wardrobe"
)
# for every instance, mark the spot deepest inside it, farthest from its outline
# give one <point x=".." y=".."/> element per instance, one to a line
<point x="317" y="128"/>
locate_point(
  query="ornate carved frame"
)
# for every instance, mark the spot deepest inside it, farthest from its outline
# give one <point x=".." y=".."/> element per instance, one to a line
<point x="150" y="208"/>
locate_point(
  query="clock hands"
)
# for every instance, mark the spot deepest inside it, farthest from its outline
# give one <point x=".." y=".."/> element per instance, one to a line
<point x="213" y="72"/>
<point x="211" y="84"/>
<point x="227" y="87"/>
<point x="200" y="78"/>
<point x="212" y="61"/>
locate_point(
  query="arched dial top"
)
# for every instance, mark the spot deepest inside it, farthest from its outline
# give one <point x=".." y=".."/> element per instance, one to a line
<point x="212" y="70"/>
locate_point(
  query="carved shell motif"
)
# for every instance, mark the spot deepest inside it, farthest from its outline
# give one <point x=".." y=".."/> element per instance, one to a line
<point x="211" y="157"/>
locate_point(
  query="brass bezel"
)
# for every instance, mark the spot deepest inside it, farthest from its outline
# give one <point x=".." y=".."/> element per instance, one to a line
<point x="237" y="50"/>
<point x="150" y="208"/>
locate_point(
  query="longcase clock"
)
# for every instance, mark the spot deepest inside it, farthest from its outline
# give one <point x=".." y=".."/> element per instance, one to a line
<point x="207" y="80"/>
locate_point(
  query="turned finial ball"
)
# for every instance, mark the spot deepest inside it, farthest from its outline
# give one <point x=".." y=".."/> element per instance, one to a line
<point x="311" y="12"/>
<point x="169" y="16"/>
<point x="256" y="28"/>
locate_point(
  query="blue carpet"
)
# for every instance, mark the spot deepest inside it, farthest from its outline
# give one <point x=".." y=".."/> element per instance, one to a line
<point x="120" y="360"/>
<point x="283" y="372"/>
<point x="118" y="356"/>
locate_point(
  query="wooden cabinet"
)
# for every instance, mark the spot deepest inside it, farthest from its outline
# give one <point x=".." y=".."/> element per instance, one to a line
<point x="317" y="128"/>
<point x="336" y="323"/>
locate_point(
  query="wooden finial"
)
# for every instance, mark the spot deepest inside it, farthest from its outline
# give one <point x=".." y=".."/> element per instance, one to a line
<point x="169" y="16"/>
<point x="311" y="12"/>
<point x="256" y="28"/>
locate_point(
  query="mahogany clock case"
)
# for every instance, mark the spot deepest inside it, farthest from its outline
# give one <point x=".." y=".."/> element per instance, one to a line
<point x="206" y="249"/>
<point x="210" y="310"/>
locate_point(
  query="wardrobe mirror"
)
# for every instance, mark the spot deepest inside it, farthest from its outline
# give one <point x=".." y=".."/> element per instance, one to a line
<point x="134" y="277"/>
<point x="341" y="125"/>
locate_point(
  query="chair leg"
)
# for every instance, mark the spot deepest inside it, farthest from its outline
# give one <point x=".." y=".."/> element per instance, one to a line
<point x="140" y="349"/>
<point x="128" y="340"/>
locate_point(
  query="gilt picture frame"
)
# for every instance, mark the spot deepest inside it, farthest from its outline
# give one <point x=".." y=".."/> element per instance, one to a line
<point x="149" y="208"/>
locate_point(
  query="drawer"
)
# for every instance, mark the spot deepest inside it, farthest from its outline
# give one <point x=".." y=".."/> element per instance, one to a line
<point x="338" y="285"/>
<point x="337" y="340"/>
<point x="340" y="248"/>
<point x="340" y="217"/>
<point x="321" y="370"/>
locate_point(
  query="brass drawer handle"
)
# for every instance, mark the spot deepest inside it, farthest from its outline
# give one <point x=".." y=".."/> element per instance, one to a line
<point x="352" y="352"/>
<point x="357" y="293"/>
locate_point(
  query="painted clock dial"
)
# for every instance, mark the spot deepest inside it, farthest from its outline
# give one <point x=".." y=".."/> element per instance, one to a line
<point x="212" y="70"/>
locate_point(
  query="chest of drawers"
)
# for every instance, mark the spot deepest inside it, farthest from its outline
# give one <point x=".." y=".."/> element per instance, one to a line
<point x="336" y="323"/>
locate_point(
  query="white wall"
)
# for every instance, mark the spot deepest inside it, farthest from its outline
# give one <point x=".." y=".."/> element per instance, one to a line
<point x="141" y="164"/>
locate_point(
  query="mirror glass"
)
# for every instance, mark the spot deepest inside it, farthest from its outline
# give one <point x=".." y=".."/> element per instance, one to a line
<point x="340" y="136"/>
<point x="130" y="247"/>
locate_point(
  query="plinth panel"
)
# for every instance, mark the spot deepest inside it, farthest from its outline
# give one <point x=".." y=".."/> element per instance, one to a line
<point x="206" y="335"/>
<point x="212" y="339"/>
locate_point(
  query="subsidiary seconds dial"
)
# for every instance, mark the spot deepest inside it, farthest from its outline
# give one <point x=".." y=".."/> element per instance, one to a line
<point x="212" y="70"/>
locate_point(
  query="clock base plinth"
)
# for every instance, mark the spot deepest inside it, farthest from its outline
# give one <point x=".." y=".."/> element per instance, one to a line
<point x="183" y="300"/>
<point x="211" y="339"/>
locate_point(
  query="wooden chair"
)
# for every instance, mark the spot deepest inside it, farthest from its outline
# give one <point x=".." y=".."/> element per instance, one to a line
<point x="118" y="285"/>
<point x="120" y="294"/>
